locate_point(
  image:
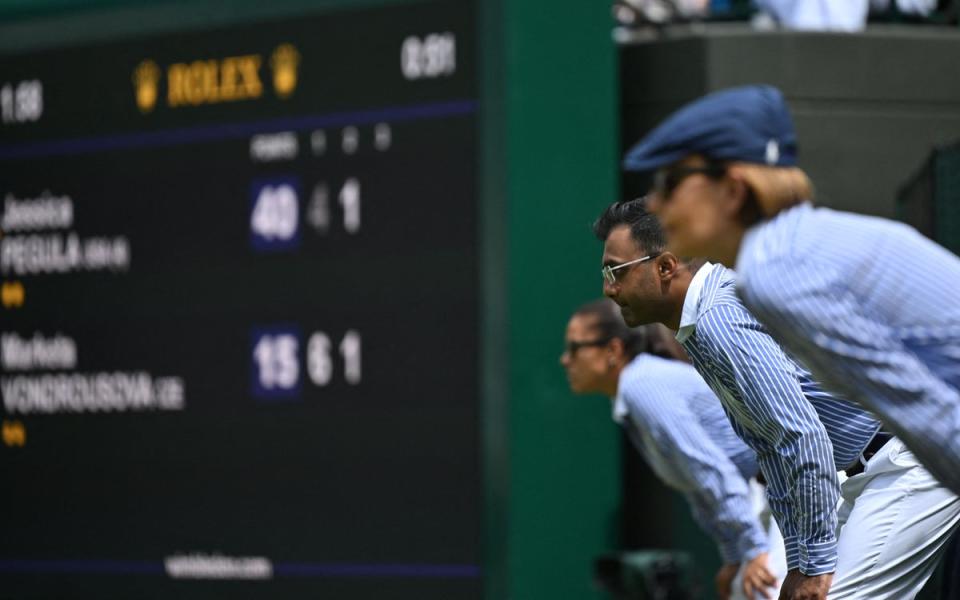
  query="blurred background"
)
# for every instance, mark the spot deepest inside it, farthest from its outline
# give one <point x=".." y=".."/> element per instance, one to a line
<point x="284" y="285"/>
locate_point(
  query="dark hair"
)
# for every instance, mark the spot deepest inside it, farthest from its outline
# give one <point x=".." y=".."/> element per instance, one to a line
<point x="644" y="227"/>
<point x="610" y="325"/>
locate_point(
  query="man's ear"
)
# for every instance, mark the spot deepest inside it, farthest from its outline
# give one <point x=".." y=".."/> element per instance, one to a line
<point x="668" y="265"/>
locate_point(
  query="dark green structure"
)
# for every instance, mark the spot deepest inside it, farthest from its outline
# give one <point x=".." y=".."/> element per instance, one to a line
<point x="550" y="165"/>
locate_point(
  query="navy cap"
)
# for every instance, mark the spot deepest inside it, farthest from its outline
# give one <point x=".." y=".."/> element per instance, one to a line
<point x="749" y="124"/>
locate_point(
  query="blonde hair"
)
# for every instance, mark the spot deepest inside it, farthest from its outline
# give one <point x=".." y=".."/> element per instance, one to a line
<point x="776" y="188"/>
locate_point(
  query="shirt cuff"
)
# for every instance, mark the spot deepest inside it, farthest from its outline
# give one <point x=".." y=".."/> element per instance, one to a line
<point x="818" y="558"/>
<point x="811" y="558"/>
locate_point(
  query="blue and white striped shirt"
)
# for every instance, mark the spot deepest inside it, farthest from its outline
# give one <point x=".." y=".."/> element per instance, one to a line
<point x="801" y="434"/>
<point x="677" y="424"/>
<point x="873" y="309"/>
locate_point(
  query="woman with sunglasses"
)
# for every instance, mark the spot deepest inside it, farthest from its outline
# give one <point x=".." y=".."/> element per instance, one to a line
<point x="678" y="425"/>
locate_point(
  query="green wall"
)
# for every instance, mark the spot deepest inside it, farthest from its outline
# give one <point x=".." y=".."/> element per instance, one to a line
<point x="551" y="166"/>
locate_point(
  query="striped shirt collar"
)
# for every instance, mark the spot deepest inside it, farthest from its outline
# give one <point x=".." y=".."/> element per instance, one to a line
<point x="620" y="410"/>
<point x="691" y="302"/>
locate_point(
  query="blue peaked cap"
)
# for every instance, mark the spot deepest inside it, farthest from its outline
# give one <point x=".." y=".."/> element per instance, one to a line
<point x="749" y="124"/>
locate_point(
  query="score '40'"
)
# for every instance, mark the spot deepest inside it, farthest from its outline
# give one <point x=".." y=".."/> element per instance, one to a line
<point x="276" y="212"/>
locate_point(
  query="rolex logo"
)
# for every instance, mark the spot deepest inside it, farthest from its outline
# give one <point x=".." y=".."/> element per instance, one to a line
<point x="285" y="62"/>
<point x="145" y="79"/>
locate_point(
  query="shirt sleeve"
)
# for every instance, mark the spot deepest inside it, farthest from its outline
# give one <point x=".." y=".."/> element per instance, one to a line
<point x="793" y="448"/>
<point x="717" y="492"/>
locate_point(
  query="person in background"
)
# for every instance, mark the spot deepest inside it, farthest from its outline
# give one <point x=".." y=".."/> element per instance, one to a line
<point x="677" y="424"/>
<point x="830" y="15"/>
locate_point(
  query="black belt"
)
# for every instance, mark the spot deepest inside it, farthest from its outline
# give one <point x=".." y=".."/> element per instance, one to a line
<point x="878" y="441"/>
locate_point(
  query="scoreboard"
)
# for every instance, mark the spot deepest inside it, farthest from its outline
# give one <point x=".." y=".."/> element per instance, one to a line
<point x="239" y="321"/>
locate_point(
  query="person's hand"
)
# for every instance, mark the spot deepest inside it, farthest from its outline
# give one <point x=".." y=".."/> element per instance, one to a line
<point x="758" y="579"/>
<point x="798" y="586"/>
<point x="724" y="580"/>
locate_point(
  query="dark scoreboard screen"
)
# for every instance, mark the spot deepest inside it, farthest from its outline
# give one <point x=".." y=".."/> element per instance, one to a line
<point x="239" y="311"/>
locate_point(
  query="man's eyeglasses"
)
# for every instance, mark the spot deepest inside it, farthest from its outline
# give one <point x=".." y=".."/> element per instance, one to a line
<point x="609" y="271"/>
<point x="665" y="181"/>
<point x="572" y="347"/>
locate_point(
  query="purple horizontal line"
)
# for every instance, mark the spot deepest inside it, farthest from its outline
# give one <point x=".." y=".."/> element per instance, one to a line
<point x="111" y="567"/>
<point x="319" y="570"/>
<point x="374" y="570"/>
<point x="207" y="133"/>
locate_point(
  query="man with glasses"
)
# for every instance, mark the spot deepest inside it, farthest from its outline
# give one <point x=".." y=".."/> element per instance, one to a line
<point x="678" y="426"/>
<point x="802" y="435"/>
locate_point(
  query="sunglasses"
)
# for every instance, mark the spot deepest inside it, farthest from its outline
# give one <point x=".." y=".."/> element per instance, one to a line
<point x="666" y="181"/>
<point x="572" y="347"/>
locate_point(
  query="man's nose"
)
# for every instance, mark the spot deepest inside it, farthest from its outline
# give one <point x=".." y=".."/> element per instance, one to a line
<point x="610" y="289"/>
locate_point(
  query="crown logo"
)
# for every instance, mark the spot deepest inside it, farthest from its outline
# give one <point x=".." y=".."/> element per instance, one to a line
<point x="14" y="433"/>
<point x="285" y="61"/>
<point x="145" y="79"/>
<point x="12" y="294"/>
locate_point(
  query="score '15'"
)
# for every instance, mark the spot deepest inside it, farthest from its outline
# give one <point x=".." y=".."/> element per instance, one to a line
<point x="277" y="367"/>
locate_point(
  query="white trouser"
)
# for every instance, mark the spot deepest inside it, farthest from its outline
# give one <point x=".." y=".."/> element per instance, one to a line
<point x="895" y="520"/>
<point x="777" y="558"/>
